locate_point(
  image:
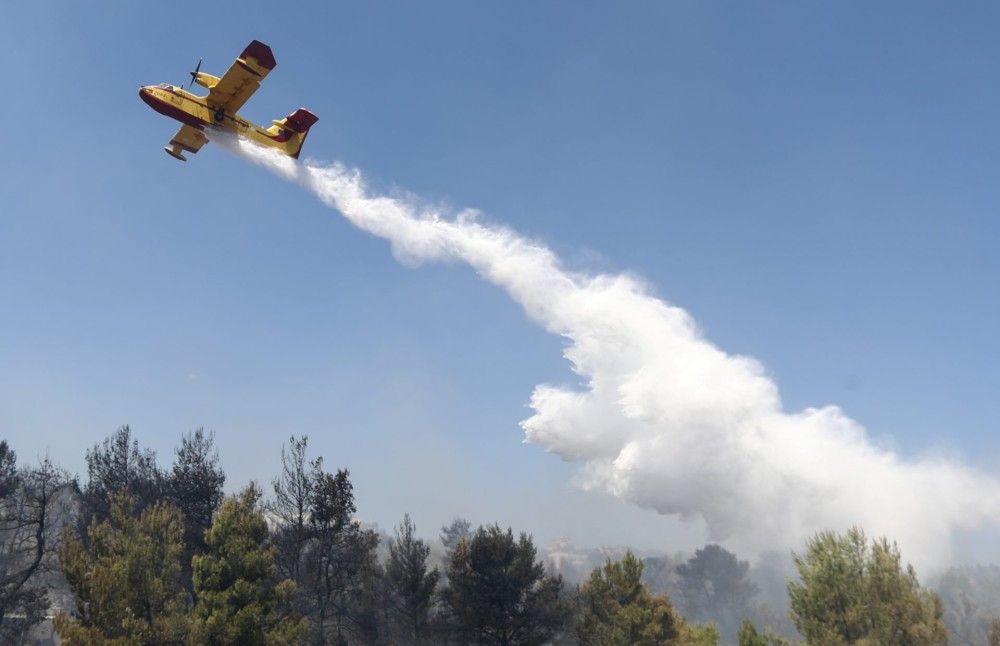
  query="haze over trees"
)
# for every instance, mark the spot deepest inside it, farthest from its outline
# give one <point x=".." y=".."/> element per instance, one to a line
<point x="140" y="554"/>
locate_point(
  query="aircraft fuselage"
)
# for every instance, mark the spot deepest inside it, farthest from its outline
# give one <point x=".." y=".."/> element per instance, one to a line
<point x="191" y="109"/>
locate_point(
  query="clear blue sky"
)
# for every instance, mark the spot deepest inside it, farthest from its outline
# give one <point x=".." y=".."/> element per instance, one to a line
<point x="815" y="183"/>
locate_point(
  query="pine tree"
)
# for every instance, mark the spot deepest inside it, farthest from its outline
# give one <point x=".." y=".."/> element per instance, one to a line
<point x="195" y="486"/>
<point x="118" y="465"/>
<point x="714" y="586"/>
<point x="850" y="591"/>
<point x="617" y="609"/>
<point x="498" y="594"/>
<point x="748" y="635"/>
<point x="236" y="603"/>
<point x="460" y="529"/>
<point x="292" y="495"/>
<point x="127" y="582"/>
<point x="409" y="585"/>
<point x="341" y="578"/>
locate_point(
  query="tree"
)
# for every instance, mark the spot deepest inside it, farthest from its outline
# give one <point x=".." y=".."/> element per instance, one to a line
<point x="127" y="582"/>
<point x="851" y="592"/>
<point x="617" y="609"/>
<point x="292" y="495"/>
<point x="236" y="603"/>
<point x="195" y="486"/>
<point x="30" y="512"/>
<point x="409" y="585"/>
<point x="498" y="594"/>
<point x="969" y="597"/>
<point x="713" y="586"/>
<point x="8" y="470"/>
<point x="341" y="578"/>
<point x="994" y="635"/>
<point x="748" y="635"/>
<point x="459" y="529"/>
<point x="117" y="465"/>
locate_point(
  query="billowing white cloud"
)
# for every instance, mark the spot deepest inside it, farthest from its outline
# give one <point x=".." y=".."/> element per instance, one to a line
<point x="667" y="420"/>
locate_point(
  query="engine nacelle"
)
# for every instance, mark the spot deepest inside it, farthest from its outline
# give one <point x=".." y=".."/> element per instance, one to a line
<point x="206" y="80"/>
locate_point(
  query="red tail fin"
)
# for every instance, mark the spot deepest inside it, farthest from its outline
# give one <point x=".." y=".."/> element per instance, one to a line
<point x="300" y="120"/>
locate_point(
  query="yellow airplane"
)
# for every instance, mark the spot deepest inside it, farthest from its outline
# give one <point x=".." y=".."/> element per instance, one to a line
<point x="218" y="108"/>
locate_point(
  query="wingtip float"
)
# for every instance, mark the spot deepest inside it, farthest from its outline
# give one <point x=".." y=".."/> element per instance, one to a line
<point x="218" y="108"/>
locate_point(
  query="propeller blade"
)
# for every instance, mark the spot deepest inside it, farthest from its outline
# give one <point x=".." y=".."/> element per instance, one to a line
<point x="194" y="74"/>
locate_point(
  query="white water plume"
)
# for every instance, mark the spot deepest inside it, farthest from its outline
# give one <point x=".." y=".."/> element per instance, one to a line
<point x="667" y="420"/>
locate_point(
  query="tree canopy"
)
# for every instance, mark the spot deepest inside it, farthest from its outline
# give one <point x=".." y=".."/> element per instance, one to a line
<point x="851" y="591"/>
<point x="237" y="602"/>
<point x="499" y="594"/>
<point x="617" y="609"/>
<point x="127" y="580"/>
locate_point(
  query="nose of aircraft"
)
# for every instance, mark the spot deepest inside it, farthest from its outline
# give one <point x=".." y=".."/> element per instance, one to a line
<point x="146" y="94"/>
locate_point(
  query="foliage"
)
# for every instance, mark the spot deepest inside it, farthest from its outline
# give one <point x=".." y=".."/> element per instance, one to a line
<point x="499" y="594"/>
<point x="195" y="487"/>
<point x="29" y="519"/>
<point x="459" y="529"/>
<point x="341" y="579"/>
<point x="713" y="586"/>
<point x="236" y="603"/>
<point x="410" y="587"/>
<point x="617" y="609"/>
<point x="748" y="635"/>
<point x="127" y="582"/>
<point x="851" y="592"/>
<point x="118" y="465"/>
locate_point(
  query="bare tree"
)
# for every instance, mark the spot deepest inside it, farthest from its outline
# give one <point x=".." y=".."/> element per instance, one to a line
<point x="31" y="510"/>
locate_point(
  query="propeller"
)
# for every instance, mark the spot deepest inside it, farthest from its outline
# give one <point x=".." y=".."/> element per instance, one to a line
<point x="194" y="74"/>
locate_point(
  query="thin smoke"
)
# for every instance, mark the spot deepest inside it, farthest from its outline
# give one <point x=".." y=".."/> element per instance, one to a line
<point x="667" y="420"/>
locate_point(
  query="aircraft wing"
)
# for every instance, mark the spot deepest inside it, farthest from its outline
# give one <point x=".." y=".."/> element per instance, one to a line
<point x="242" y="78"/>
<point x="187" y="139"/>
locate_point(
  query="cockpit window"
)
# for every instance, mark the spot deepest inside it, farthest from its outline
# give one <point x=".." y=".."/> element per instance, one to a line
<point x="164" y="86"/>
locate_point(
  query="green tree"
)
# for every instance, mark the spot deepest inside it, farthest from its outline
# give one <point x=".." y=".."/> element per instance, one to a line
<point x="127" y="582"/>
<point x="498" y="594"/>
<point x="617" y="609"/>
<point x="853" y="592"/>
<point x="236" y="603"/>
<point x="409" y="585"/>
<point x="194" y="485"/>
<point x="748" y="635"/>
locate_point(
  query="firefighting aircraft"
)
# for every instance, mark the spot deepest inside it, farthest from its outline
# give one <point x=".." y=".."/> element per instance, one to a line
<point x="218" y="108"/>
